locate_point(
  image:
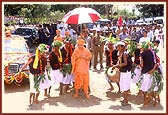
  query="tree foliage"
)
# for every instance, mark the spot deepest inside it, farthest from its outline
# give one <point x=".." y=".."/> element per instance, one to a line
<point x="150" y="10"/>
<point x="34" y="13"/>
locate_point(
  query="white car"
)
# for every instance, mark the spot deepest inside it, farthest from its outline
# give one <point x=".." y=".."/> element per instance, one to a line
<point x="16" y="54"/>
<point x="140" y="22"/>
<point x="159" y="19"/>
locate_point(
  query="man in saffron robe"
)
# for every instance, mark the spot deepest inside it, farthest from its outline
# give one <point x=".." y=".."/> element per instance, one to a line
<point x="80" y="67"/>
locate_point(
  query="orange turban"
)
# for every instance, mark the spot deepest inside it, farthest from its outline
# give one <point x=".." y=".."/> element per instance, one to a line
<point x="80" y="42"/>
<point x="8" y="32"/>
<point x="58" y="38"/>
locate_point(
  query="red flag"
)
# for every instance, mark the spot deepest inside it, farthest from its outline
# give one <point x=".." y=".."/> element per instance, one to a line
<point x="120" y="21"/>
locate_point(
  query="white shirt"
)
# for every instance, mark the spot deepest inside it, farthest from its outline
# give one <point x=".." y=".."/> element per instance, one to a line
<point x="71" y="31"/>
<point x="150" y="34"/>
<point x="142" y="39"/>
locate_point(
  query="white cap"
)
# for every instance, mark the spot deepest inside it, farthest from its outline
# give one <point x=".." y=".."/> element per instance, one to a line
<point x="120" y="43"/>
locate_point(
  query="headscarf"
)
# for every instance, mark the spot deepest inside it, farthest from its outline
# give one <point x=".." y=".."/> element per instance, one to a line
<point x="41" y="48"/>
<point x="120" y="43"/>
<point x="58" y="44"/>
<point x="145" y="45"/>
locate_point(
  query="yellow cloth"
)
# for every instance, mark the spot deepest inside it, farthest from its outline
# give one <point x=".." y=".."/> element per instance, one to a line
<point x="60" y="58"/>
<point x="35" y="63"/>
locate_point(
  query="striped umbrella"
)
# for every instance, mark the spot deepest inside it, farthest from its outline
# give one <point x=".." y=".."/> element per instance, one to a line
<point x="81" y="15"/>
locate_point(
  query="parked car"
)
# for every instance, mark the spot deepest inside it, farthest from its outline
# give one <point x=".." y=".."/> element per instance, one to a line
<point x="103" y="21"/>
<point x="16" y="54"/>
<point x="149" y="21"/>
<point x="159" y="19"/>
<point x="29" y="33"/>
<point x="90" y="25"/>
<point x="140" y="22"/>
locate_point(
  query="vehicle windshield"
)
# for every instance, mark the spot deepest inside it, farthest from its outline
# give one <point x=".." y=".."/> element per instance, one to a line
<point x="23" y="31"/>
<point x="90" y="25"/>
<point x="15" y="46"/>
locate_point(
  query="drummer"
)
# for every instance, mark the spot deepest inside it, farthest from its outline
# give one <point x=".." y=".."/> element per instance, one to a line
<point x="124" y="65"/>
<point x="111" y="59"/>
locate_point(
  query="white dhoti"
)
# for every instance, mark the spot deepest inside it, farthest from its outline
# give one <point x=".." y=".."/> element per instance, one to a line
<point x="125" y="81"/>
<point x="56" y="77"/>
<point x="31" y="81"/>
<point x="67" y="79"/>
<point x="108" y="79"/>
<point x="146" y="82"/>
<point x="45" y="84"/>
<point x="137" y="75"/>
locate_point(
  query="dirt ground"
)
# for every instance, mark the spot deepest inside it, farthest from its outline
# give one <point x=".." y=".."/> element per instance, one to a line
<point x="15" y="99"/>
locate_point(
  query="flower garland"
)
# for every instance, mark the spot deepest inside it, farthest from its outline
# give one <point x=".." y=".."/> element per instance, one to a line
<point x="9" y="79"/>
<point x="19" y="78"/>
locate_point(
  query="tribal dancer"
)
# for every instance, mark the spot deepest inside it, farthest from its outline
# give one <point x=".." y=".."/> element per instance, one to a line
<point x="37" y="66"/>
<point x="148" y="68"/>
<point x="66" y="61"/>
<point x="55" y="60"/>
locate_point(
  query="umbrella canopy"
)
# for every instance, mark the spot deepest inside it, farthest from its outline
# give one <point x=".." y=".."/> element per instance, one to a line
<point x="81" y="15"/>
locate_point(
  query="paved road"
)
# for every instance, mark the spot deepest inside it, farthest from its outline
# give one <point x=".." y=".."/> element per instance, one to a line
<point x="16" y="100"/>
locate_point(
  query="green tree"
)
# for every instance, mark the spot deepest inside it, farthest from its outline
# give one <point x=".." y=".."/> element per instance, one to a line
<point x="150" y="10"/>
<point x="63" y="7"/>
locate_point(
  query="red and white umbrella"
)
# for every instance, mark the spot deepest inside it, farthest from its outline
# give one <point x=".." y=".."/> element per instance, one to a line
<point x="81" y="15"/>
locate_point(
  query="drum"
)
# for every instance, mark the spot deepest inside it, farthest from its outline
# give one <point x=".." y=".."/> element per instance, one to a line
<point x="113" y="74"/>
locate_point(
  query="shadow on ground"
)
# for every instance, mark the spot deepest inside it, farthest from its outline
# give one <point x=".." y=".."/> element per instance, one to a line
<point x="67" y="100"/>
<point x="133" y="100"/>
<point x="15" y="87"/>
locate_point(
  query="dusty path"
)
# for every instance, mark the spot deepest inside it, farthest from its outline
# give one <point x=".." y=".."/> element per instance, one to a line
<point x="15" y="100"/>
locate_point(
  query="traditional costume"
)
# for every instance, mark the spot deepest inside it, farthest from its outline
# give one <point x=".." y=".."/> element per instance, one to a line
<point x="55" y="60"/>
<point x="80" y="67"/>
<point x="125" y="66"/>
<point x="148" y="67"/>
<point x="66" y="61"/>
<point x="37" y="69"/>
<point x="111" y="59"/>
<point x="37" y="65"/>
<point x="137" y="70"/>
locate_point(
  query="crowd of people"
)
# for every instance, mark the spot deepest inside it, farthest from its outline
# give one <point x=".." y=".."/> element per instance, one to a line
<point x="70" y="56"/>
